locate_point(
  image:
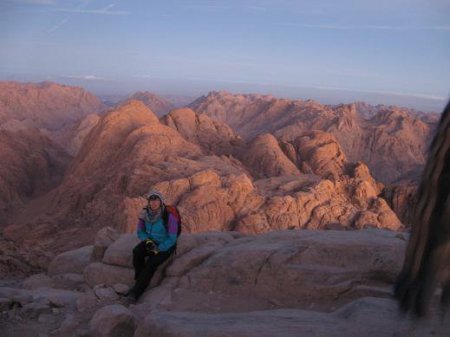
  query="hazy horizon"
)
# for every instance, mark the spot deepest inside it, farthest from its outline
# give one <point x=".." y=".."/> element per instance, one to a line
<point x="389" y="52"/>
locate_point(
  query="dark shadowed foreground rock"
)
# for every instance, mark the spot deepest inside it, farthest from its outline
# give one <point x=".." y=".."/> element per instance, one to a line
<point x="73" y="261"/>
<point x="377" y="319"/>
<point x="282" y="283"/>
<point x="303" y="269"/>
<point x="112" y="321"/>
<point x="371" y="317"/>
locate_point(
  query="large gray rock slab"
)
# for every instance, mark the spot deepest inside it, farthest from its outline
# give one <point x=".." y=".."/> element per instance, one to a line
<point x="56" y="297"/>
<point x="269" y="323"/>
<point x="217" y="237"/>
<point x="188" y="241"/>
<point x="103" y="239"/>
<point x="14" y="293"/>
<point x="120" y="252"/>
<point x="298" y="268"/>
<point x="103" y="292"/>
<point x="112" y="321"/>
<point x="73" y="261"/>
<point x="184" y="263"/>
<point x="38" y="281"/>
<point x="69" y="281"/>
<point x="101" y="273"/>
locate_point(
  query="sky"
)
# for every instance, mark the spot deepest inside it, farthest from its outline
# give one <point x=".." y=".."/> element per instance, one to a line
<point x="384" y="51"/>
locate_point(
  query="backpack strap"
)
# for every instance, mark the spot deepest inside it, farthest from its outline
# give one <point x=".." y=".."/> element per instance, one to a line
<point x="172" y="210"/>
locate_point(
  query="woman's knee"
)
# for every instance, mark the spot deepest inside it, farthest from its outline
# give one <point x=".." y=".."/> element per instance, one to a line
<point x="139" y="249"/>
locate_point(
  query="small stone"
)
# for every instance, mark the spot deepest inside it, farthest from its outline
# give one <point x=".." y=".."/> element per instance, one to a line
<point x="33" y="310"/>
<point x="23" y="299"/>
<point x="105" y="293"/>
<point x="46" y="318"/>
<point x="4" y="304"/>
<point x="55" y="311"/>
<point x="83" y="333"/>
<point x="67" y="326"/>
<point x="37" y="281"/>
<point x="85" y="302"/>
<point x="121" y="288"/>
<point x="110" y="320"/>
<point x="57" y="302"/>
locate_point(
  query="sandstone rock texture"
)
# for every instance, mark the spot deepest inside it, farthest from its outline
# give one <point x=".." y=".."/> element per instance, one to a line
<point x="114" y="320"/>
<point x="71" y="136"/>
<point x="31" y="165"/>
<point x="213" y="136"/>
<point x="159" y="105"/>
<point x="242" y="163"/>
<point x="402" y="200"/>
<point x="217" y="180"/>
<point x="289" y="283"/>
<point x="391" y="140"/>
<point x="45" y="105"/>
<point x="41" y="127"/>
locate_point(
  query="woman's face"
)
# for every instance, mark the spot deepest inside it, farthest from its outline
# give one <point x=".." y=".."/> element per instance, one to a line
<point x="154" y="203"/>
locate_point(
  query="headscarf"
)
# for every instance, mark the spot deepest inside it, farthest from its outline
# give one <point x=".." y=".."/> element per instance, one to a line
<point x="152" y="215"/>
<point x="157" y="193"/>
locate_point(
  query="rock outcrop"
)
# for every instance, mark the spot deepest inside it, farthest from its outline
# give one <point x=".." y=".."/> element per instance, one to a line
<point x="214" y="137"/>
<point x="318" y="152"/>
<point x="71" y="136"/>
<point x="298" y="177"/>
<point x="392" y="141"/>
<point x="335" y="283"/>
<point x="45" y="105"/>
<point x="41" y="126"/>
<point x="159" y="105"/>
<point x="266" y="158"/>
<point x="303" y="183"/>
<point x="31" y="165"/>
<point x="402" y="200"/>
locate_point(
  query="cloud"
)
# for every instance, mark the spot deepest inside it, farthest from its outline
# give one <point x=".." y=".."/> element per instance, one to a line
<point x="103" y="11"/>
<point x="58" y="26"/>
<point x="143" y="76"/>
<point x="379" y="92"/>
<point x="35" y="2"/>
<point x="86" y="77"/>
<point x="366" y="27"/>
<point x="226" y="7"/>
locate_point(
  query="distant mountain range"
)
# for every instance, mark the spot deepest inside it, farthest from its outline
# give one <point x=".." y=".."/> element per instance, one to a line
<point x="248" y="163"/>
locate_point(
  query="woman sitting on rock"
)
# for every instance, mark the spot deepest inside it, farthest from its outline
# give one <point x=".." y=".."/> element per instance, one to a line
<point x="158" y="231"/>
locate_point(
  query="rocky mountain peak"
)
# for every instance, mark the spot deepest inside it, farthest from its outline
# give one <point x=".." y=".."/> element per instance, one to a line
<point x="46" y="105"/>
<point x="158" y="104"/>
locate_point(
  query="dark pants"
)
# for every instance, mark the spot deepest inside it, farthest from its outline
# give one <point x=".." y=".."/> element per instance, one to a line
<point x="144" y="270"/>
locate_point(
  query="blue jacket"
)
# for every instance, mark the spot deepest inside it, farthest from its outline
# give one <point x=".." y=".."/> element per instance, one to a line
<point x="164" y="238"/>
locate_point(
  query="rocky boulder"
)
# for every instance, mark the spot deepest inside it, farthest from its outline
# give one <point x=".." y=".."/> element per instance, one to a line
<point x="156" y="103"/>
<point x="112" y="321"/>
<point x="35" y="165"/>
<point x="213" y="136"/>
<point x="320" y="153"/>
<point x="73" y="261"/>
<point x="336" y="283"/>
<point x="45" y="105"/>
<point x="266" y="158"/>
<point x="391" y="140"/>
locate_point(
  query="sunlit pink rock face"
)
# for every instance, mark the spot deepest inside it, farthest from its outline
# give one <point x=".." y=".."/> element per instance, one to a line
<point x="245" y="163"/>
<point x="159" y="105"/>
<point x="392" y="141"/>
<point x="45" y="105"/>
<point x="41" y="127"/>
